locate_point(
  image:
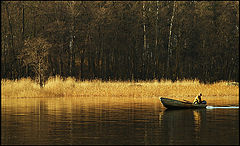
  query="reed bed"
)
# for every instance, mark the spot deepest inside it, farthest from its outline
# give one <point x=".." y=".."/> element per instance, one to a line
<point x="58" y="87"/>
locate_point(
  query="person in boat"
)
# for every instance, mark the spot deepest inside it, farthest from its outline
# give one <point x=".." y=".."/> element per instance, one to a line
<point x="198" y="99"/>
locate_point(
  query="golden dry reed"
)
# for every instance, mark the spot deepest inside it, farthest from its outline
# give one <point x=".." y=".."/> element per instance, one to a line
<point x="57" y="87"/>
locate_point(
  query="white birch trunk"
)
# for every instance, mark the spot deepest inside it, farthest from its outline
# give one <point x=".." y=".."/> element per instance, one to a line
<point x="144" y="29"/>
<point x="170" y="35"/>
<point x="71" y="6"/>
<point x="156" y="27"/>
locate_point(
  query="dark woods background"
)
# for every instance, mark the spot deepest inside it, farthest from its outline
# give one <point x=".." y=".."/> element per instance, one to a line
<point x="125" y="40"/>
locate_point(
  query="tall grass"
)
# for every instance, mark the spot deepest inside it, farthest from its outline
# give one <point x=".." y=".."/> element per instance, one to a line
<point x="57" y="87"/>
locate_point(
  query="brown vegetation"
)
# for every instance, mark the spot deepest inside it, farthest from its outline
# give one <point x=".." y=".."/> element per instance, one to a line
<point x="57" y="87"/>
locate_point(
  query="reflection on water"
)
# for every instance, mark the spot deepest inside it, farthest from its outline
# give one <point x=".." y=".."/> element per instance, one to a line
<point x="183" y="125"/>
<point x="113" y="120"/>
<point x="197" y="115"/>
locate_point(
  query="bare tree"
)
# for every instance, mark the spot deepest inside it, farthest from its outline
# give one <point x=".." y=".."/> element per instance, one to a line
<point x="35" y="54"/>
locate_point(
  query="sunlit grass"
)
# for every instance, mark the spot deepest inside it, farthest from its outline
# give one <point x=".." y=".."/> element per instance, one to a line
<point x="57" y="87"/>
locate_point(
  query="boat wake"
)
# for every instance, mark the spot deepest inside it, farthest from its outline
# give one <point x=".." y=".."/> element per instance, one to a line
<point x="222" y="107"/>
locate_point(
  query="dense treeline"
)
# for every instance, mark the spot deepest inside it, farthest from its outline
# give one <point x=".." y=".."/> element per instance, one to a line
<point x="125" y="40"/>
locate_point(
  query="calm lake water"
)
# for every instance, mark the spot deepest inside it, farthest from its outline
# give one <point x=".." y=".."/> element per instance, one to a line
<point x="113" y="120"/>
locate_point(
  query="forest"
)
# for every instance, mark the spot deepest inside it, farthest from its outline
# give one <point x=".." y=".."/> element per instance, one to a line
<point x="120" y="40"/>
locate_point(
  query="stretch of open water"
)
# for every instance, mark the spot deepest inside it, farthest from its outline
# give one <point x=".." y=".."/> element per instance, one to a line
<point x="114" y="120"/>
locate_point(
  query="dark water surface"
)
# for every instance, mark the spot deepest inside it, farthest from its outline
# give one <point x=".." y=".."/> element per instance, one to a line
<point x="113" y="120"/>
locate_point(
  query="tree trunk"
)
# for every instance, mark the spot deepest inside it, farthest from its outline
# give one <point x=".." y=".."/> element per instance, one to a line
<point x="82" y="63"/>
<point x="156" y="28"/>
<point x="23" y="23"/>
<point x="156" y="64"/>
<point x="34" y="24"/>
<point x="40" y="75"/>
<point x="11" y="33"/>
<point x="71" y="43"/>
<point x="10" y="25"/>
<point x="144" y="29"/>
<point x="170" y="36"/>
<point x="3" y="55"/>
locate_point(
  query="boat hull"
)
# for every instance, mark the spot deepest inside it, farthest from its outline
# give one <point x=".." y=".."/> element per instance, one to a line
<point x="176" y="104"/>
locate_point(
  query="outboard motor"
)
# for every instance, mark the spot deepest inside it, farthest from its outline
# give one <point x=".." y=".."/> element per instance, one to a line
<point x="204" y="102"/>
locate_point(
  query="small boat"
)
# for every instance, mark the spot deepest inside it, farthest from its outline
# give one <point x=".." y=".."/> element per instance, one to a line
<point x="176" y="104"/>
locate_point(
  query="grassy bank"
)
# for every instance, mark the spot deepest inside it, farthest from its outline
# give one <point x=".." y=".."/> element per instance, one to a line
<point x="57" y="87"/>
